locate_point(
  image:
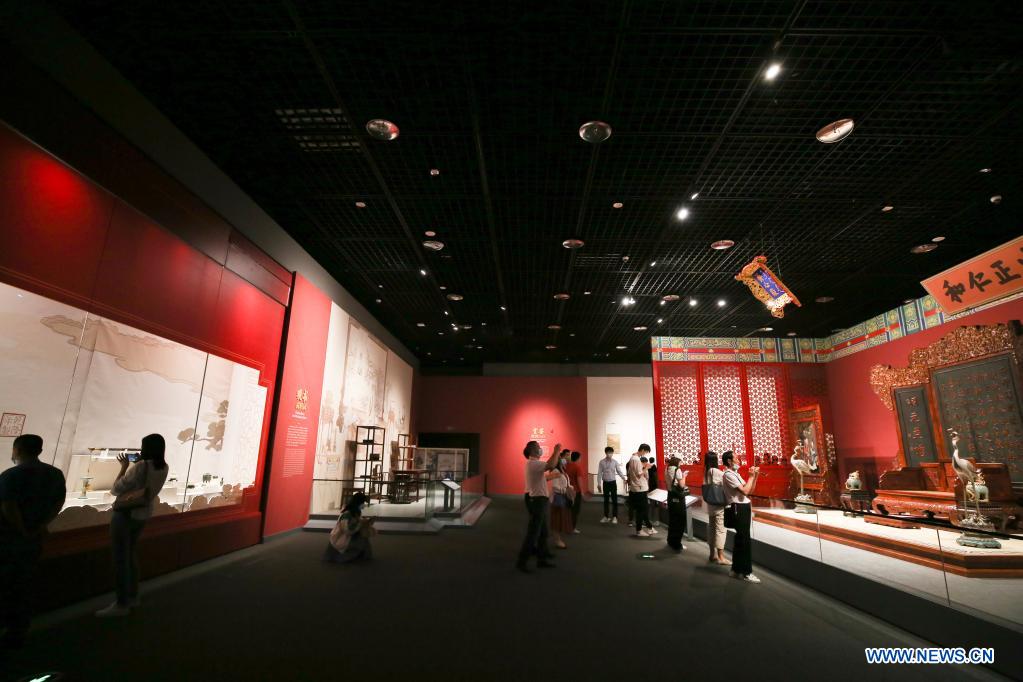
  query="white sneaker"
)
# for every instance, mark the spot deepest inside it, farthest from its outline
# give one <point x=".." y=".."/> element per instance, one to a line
<point x="752" y="578"/>
<point x="605" y="520"/>
<point x="643" y="533"/>
<point x="576" y="531"/>
<point x="651" y="531"/>
<point x="115" y="610"/>
<point x="614" y="521"/>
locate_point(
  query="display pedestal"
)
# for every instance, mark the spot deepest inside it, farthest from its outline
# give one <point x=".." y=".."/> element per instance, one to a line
<point x="970" y="521"/>
<point x="804" y="504"/>
<point x="856" y="502"/>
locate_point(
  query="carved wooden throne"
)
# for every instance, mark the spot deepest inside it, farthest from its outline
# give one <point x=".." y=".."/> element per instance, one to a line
<point x="969" y="381"/>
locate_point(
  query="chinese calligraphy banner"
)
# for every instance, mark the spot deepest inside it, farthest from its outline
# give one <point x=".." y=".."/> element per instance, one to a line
<point x="989" y="276"/>
<point x="915" y="429"/>
<point x="766" y="286"/>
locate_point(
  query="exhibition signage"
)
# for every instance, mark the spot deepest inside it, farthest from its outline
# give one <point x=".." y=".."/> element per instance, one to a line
<point x="991" y="275"/>
<point x="766" y="286"/>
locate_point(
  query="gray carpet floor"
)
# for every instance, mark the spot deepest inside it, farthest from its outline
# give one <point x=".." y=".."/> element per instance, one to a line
<point x="452" y="607"/>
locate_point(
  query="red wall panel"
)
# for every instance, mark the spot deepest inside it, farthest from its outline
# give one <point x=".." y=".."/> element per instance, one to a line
<point x="505" y="411"/>
<point x="864" y="428"/>
<point x="294" y="441"/>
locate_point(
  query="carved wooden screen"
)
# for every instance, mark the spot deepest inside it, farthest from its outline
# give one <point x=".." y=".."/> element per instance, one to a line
<point x="723" y="396"/>
<point x="914" y="414"/>
<point x="768" y="416"/>
<point x="981" y="400"/>
<point x="679" y="409"/>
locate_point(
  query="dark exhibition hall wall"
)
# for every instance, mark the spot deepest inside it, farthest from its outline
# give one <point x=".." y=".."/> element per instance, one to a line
<point x="507" y="412"/>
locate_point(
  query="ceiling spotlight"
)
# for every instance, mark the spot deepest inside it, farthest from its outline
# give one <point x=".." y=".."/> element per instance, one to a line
<point x="791" y="334"/>
<point x="937" y="239"/>
<point x="835" y="132"/>
<point x="442" y="287"/>
<point x="669" y="298"/>
<point x="996" y="199"/>
<point x="923" y="248"/>
<point x="380" y="286"/>
<point x="628" y="300"/>
<point x="380" y="300"/>
<point x="621" y="347"/>
<point x="551" y="347"/>
<point x="382" y="129"/>
<point x="653" y="263"/>
<point x="824" y="299"/>
<point x="683" y="213"/>
<point x="772" y="71"/>
<point x="586" y="293"/>
<point x="722" y="303"/>
<point x="908" y="300"/>
<point x="434" y="171"/>
<point x="562" y="296"/>
<point x="554" y="327"/>
<point x="594" y="132"/>
<point x="985" y="170"/>
<point x="573" y="243"/>
<point x="420" y="324"/>
<point x="360" y="204"/>
<point x="640" y="328"/>
<point x="722" y="244"/>
<point x="662" y="302"/>
<point x="692" y="303"/>
<point x="466" y="327"/>
<point x="660" y="320"/>
<point x="693" y="197"/>
<point x="446" y="313"/>
<point x="422" y="272"/>
<point x="455" y="297"/>
<point x="430" y="233"/>
<point x="617" y="204"/>
<point x="504" y="308"/>
<point x="766" y="329"/>
<point x="433" y="245"/>
<point x="625" y="259"/>
<point x="886" y="208"/>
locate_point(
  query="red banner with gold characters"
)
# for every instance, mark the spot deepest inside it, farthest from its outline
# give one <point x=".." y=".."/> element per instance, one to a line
<point x="991" y="275"/>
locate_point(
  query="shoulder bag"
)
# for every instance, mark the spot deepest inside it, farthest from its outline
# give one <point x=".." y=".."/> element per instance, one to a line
<point x="714" y="493"/>
<point x="730" y="519"/>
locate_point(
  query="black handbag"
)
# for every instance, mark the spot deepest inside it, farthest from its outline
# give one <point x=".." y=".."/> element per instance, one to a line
<point x="730" y="516"/>
<point x="714" y="493"/>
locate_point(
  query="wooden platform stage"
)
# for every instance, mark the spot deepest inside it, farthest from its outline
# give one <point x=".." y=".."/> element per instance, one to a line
<point x="927" y="546"/>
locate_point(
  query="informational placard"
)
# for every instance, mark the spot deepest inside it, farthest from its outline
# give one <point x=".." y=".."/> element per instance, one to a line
<point x="658" y="495"/>
<point x="914" y="413"/>
<point x="992" y="275"/>
<point x="451" y="485"/>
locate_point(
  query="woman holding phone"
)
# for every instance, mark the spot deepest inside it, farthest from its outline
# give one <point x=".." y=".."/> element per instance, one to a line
<point x="737" y="493"/>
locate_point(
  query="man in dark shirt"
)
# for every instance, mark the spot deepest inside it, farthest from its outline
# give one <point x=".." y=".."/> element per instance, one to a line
<point x="31" y="495"/>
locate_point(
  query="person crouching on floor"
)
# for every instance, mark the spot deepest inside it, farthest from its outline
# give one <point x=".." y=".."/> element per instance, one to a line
<point x="349" y="541"/>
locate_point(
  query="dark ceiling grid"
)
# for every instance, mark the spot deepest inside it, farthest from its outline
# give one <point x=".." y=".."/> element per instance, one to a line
<point x="220" y="70"/>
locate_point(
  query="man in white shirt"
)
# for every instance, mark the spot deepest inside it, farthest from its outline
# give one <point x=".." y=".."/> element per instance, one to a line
<point x="638" y="488"/>
<point x="537" y="503"/>
<point x="608" y="473"/>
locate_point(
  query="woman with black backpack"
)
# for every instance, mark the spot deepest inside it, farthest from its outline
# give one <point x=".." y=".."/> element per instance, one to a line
<point x="677" y="490"/>
<point x="714" y="500"/>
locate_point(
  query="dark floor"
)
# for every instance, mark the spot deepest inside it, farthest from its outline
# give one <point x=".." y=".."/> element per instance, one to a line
<point x="452" y="607"/>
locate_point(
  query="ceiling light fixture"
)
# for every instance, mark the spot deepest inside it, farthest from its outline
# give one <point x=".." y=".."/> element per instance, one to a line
<point x="836" y="132"/>
<point x="692" y="303"/>
<point x="422" y="272"/>
<point x="562" y="296"/>
<point x="772" y="71"/>
<point x="660" y="320"/>
<point x="985" y="170"/>
<point x="722" y="244"/>
<point x="722" y="303"/>
<point x="446" y="313"/>
<point x="554" y="327"/>
<point x="433" y="245"/>
<point x="628" y="300"/>
<point x="380" y="300"/>
<point x="653" y="263"/>
<point x="430" y="233"/>
<point x="382" y="129"/>
<point x="824" y="299"/>
<point x="360" y="204"/>
<point x="662" y="302"/>
<point x="996" y="199"/>
<point x="573" y="243"/>
<point x="908" y="300"/>
<point x="682" y="213"/>
<point x="621" y="347"/>
<point x="886" y="208"/>
<point x="923" y="248"/>
<point x="766" y="329"/>
<point x="420" y="324"/>
<point x="693" y="197"/>
<point x="617" y="204"/>
<point x="594" y="132"/>
<point x="504" y="309"/>
<point x="443" y="288"/>
<point x="669" y="298"/>
<point x="640" y="328"/>
<point x="455" y="297"/>
<point x="791" y="334"/>
<point x="551" y="347"/>
<point x="937" y="240"/>
<point x="435" y="171"/>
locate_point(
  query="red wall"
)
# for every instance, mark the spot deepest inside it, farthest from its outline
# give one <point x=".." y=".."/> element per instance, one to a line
<point x="505" y="411"/>
<point x="294" y="443"/>
<point x="864" y="427"/>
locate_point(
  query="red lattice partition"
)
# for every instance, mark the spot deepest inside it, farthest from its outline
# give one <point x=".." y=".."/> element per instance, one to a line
<point x="678" y="405"/>
<point x="768" y="415"/>
<point x="724" y="413"/>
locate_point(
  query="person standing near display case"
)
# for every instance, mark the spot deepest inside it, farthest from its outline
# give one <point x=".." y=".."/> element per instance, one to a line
<point x="737" y="493"/>
<point x="714" y="500"/>
<point x="577" y="477"/>
<point x="607" y="483"/>
<point x="677" y="490"/>
<point x="31" y="495"/>
<point x="638" y="489"/>
<point x="538" y="504"/>
<point x="136" y="488"/>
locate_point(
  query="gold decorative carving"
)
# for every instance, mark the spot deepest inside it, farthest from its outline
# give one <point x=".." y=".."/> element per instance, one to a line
<point x="775" y="304"/>
<point x="959" y="345"/>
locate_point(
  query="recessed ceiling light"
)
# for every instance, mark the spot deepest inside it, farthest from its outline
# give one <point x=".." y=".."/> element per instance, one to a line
<point x="380" y="286"/>
<point x="382" y="129"/>
<point x="660" y="320"/>
<point x="617" y="204"/>
<point x="422" y="272"/>
<point x="562" y="296"/>
<point x="692" y="303"/>
<point x="380" y="300"/>
<point x="640" y="328"/>
<point x="466" y="327"/>
<point x="662" y="302"/>
<point x="824" y="299"/>
<point x="445" y="313"/>
<point x="573" y="243"/>
<point x="669" y="298"/>
<point x="628" y="300"/>
<point x="722" y="244"/>
<point x="420" y="324"/>
<point x="360" y="204"/>
<point x="551" y="347"/>
<point x="433" y="245"/>
<point x="722" y="303"/>
<point x="435" y="171"/>
<point x="766" y="329"/>
<point x="908" y="300"/>
<point x="923" y="248"/>
<point x="937" y="239"/>
<point x="653" y="264"/>
<point x="886" y="208"/>
<point x="554" y="327"/>
<point x="479" y="347"/>
<point x="985" y="170"/>
<point x="772" y="71"/>
<point x="586" y="293"/>
<point x="621" y="347"/>
<point x="837" y="131"/>
<point x="682" y="213"/>
<point x="443" y="288"/>
<point x="455" y="297"/>
<point x="430" y="233"/>
<point x="996" y="199"/>
<point x="693" y="197"/>
<point x="791" y="334"/>
<point x="594" y="132"/>
<point x="504" y="308"/>
<point x="625" y="259"/>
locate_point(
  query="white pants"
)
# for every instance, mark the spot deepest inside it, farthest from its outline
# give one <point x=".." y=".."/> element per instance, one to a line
<point x="716" y="532"/>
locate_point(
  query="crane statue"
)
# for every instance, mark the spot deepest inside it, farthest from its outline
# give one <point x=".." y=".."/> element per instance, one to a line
<point x="802" y="468"/>
<point x="965" y="470"/>
<point x="968" y="475"/>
